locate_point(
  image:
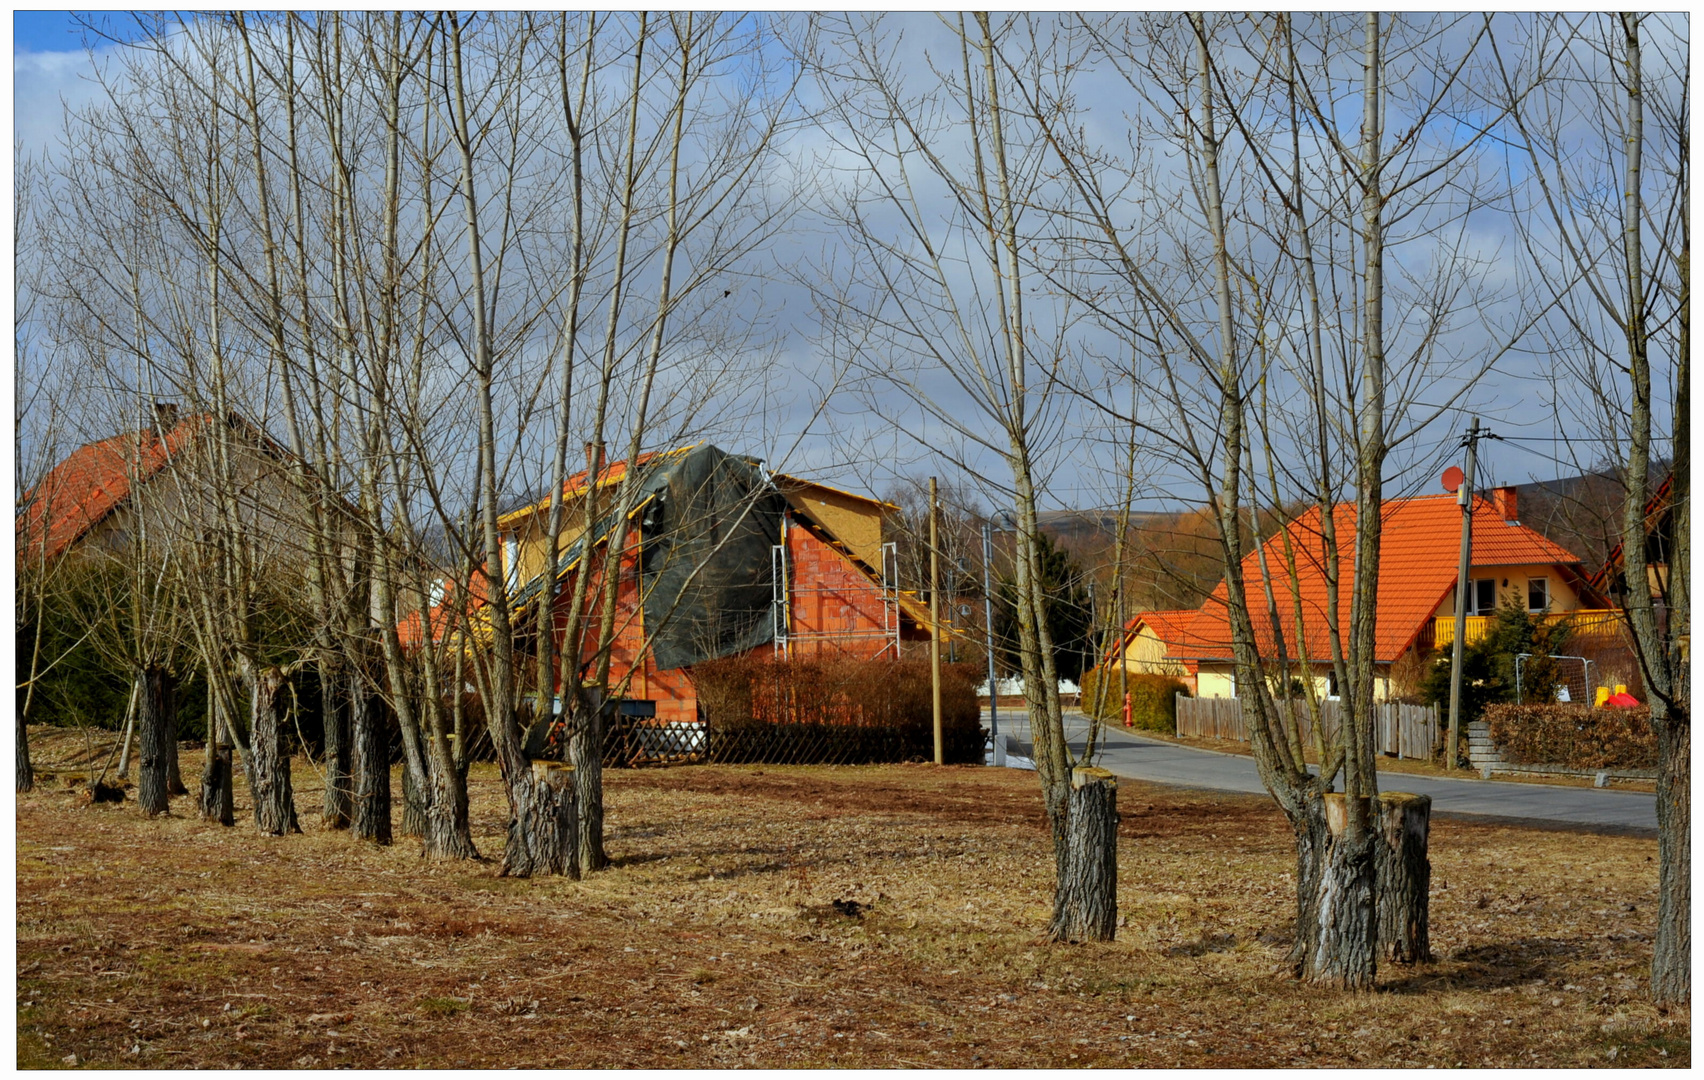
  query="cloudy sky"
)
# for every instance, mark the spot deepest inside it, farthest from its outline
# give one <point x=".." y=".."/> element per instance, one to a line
<point x="51" y="72"/>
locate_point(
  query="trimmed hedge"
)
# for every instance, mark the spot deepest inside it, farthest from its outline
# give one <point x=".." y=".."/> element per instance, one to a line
<point x="1153" y="699"/>
<point x="836" y="710"/>
<point x="1575" y="736"/>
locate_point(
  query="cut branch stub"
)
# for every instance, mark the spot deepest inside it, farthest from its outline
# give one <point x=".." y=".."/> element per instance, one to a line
<point x="1343" y="948"/>
<point x="1404" y="875"/>
<point x="1085" y="899"/>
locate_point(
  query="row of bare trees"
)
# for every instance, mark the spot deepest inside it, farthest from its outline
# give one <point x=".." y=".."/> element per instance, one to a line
<point x="1275" y="274"/>
<point x="426" y="254"/>
<point x="1257" y="261"/>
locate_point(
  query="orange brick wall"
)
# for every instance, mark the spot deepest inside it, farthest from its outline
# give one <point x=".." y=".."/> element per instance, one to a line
<point x="835" y="609"/>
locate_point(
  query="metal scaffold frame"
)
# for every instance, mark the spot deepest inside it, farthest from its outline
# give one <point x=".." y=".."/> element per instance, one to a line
<point x="786" y="591"/>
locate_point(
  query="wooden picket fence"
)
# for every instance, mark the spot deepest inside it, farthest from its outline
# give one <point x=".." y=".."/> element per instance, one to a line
<point x="1404" y="731"/>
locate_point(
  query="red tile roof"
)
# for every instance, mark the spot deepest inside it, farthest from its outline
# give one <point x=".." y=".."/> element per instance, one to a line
<point x="1419" y="547"/>
<point x="79" y="492"/>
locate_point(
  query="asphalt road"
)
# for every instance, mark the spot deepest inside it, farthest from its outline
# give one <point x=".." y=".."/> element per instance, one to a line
<point x="1153" y="760"/>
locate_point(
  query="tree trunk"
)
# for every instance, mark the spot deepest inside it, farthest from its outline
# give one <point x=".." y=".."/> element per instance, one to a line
<point x="542" y="833"/>
<point x="1085" y="897"/>
<point x="413" y="804"/>
<point x="371" y="763"/>
<point x="156" y="700"/>
<point x="1313" y="839"/>
<point x="1404" y="876"/>
<point x="275" y="804"/>
<point x="26" y="775"/>
<point x="127" y="735"/>
<point x="339" y="791"/>
<point x="445" y="834"/>
<point x="174" y="777"/>
<point x="216" y="800"/>
<point x="1342" y="950"/>
<point x="1671" y="956"/>
<point x="585" y="753"/>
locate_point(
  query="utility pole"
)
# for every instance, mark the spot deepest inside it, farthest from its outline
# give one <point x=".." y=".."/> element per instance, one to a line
<point x="1464" y="496"/>
<point x="988" y="635"/>
<point x="935" y="613"/>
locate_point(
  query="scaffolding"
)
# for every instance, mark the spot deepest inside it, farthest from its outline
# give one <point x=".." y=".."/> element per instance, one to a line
<point x="845" y="579"/>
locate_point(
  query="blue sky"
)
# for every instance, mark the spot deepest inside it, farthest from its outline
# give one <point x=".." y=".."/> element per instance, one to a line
<point x="44" y="31"/>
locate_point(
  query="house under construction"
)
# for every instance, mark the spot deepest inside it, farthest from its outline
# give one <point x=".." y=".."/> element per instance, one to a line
<point x="719" y="557"/>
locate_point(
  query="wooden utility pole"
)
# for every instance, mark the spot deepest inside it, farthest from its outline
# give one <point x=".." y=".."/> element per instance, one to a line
<point x="1464" y="496"/>
<point x="935" y="612"/>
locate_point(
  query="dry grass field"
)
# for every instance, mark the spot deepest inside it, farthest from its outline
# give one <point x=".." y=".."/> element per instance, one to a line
<point x="788" y="917"/>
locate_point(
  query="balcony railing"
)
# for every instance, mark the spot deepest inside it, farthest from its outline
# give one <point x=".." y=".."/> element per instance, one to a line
<point x="1592" y="621"/>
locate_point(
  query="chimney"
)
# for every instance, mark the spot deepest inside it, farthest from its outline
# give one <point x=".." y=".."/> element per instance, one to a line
<point x="1503" y="499"/>
<point x="165" y="417"/>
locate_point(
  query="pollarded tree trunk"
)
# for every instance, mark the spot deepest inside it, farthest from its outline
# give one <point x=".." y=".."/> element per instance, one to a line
<point x="339" y="790"/>
<point x="1404" y="875"/>
<point x="446" y="834"/>
<point x="585" y="753"/>
<point x="371" y="819"/>
<point x="542" y="834"/>
<point x="1313" y="839"/>
<point x="216" y="796"/>
<point x="1671" y="955"/>
<point x="26" y="775"/>
<point x="156" y="700"/>
<point x="1342" y="949"/>
<point x="275" y="804"/>
<point x="1085" y="898"/>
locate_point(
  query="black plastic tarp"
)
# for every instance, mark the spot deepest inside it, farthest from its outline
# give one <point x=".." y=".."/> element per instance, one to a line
<point x="708" y="578"/>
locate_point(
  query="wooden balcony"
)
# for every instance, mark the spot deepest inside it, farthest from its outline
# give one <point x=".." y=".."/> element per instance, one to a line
<point x="1595" y="622"/>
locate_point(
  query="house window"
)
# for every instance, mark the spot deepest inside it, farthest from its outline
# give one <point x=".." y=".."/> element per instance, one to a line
<point x="1332" y="690"/>
<point x="1538" y="593"/>
<point x="1484" y="597"/>
<point x="511" y="565"/>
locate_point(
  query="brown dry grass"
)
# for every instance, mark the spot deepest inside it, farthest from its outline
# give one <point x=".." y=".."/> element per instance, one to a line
<point x="716" y="941"/>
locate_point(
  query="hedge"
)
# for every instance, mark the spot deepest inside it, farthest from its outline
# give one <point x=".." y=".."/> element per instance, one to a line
<point x="1153" y="699"/>
<point x="836" y="710"/>
<point x="1574" y="736"/>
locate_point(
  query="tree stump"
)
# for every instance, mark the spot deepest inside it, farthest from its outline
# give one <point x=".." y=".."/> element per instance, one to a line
<point x="156" y="699"/>
<point x="371" y="818"/>
<point x="274" y="801"/>
<point x="543" y="838"/>
<point x="1085" y="898"/>
<point x="216" y="804"/>
<point x="1342" y="950"/>
<point x="1404" y="876"/>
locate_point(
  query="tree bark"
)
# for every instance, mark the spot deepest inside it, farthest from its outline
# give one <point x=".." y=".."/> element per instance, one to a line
<point x="1313" y="839"/>
<point x="1404" y="876"/>
<point x="585" y="753"/>
<point x="1085" y="897"/>
<point x="542" y="833"/>
<point x="275" y="804"/>
<point x="334" y="707"/>
<point x="156" y="699"/>
<point x="1342" y="950"/>
<point x="174" y="777"/>
<point x="25" y="774"/>
<point x="413" y="805"/>
<point x="1671" y="955"/>
<point x="216" y="796"/>
<point x="371" y="819"/>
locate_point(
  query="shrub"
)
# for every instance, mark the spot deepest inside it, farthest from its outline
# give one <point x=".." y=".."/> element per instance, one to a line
<point x="838" y="710"/>
<point x="1153" y="699"/>
<point x="1574" y="736"/>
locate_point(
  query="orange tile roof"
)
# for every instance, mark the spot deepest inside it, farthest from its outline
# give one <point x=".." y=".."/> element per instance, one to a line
<point x="1419" y="547"/>
<point x="79" y="492"/>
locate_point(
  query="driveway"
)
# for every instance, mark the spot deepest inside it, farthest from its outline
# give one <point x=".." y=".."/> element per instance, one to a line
<point x="1140" y="758"/>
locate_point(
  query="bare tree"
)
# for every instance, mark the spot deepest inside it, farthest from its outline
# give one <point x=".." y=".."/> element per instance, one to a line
<point x="1601" y="107"/>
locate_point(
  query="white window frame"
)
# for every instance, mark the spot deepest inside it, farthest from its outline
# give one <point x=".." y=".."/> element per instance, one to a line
<point x="1545" y="582"/>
